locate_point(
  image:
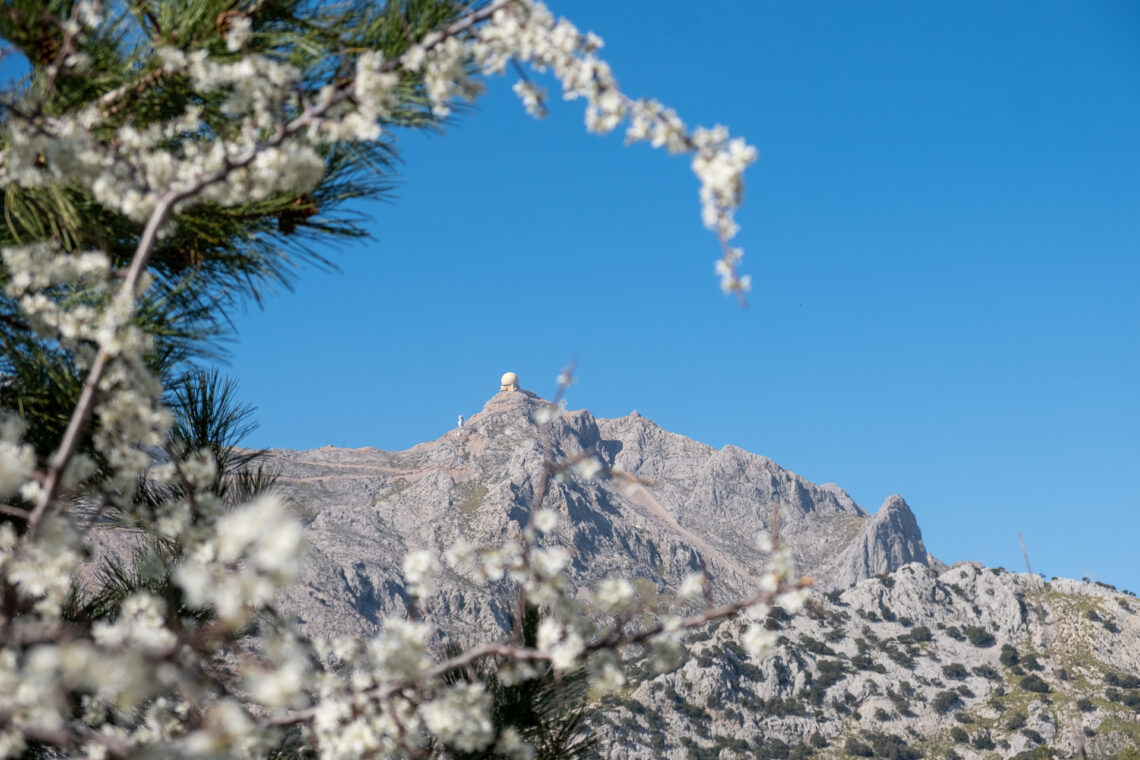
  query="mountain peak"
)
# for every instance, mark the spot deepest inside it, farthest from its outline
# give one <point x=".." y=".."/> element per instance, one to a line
<point x="887" y="540"/>
<point x="701" y="507"/>
<point x="894" y="503"/>
<point x="513" y="397"/>
<point x="890" y="641"/>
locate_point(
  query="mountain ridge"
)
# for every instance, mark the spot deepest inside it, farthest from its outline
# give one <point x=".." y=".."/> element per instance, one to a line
<point x="702" y="509"/>
<point x="883" y="663"/>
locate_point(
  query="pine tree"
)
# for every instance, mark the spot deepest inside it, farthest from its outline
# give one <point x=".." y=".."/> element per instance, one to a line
<point x="216" y="259"/>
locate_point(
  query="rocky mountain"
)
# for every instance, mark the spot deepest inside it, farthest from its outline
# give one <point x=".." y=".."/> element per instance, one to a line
<point x="898" y="656"/>
<point x="970" y="663"/>
<point x="366" y="508"/>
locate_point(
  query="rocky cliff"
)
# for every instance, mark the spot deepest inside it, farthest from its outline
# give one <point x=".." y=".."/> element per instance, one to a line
<point x="703" y="508"/>
<point x="888" y="540"/>
<point x="897" y="657"/>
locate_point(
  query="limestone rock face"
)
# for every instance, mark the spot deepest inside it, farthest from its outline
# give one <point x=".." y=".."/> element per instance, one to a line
<point x="890" y="637"/>
<point x="912" y="654"/>
<point x="703" y="508"/>
<point x="888" y="540"/>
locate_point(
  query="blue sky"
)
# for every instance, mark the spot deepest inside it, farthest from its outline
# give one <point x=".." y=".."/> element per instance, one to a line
<point x="942" y="229"/>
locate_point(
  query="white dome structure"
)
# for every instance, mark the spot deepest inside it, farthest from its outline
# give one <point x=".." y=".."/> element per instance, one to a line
<point x="509" y="382"/>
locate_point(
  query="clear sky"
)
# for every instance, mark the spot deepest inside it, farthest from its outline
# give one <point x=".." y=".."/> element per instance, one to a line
<point x="943" y="232"/>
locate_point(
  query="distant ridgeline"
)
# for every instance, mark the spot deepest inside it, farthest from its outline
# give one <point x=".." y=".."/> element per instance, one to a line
<point x="898" y="656"/>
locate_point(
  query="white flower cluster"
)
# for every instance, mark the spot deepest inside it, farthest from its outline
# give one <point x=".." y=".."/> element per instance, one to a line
<point x="40" y="573"/>
<point x="283" y="676"/>
<point x="130" y="414"/>
<point x="17" y="460"/>
<point x="461" y="717"/>
<point x="445" y="73"/>
<point x="59" y="292"/>
<point x="564" y="643"/>
<point x="421" y="572"/>
<point x="90" y="13"/>
<point x="549" y="412"/>
<point x="757" y="640"/>
<point x="252" y="555"/>
<point x="141" y="624"/>
<point x="399" y="652"/>
<point x="720" y="163"/>
<point x="239" y="32"/>
<point x="615" y="596"/>
<point x="130" y="173"/>
<point x="366" y="728"/>
<point x="351" y="720"/>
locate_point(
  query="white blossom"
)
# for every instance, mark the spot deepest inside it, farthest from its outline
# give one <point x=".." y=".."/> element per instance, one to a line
<point x="513" y="746"/>
<point x="461" y="555"/>
<point x="764" y="543"/>
<point x="461" y="717"/>
<point x="279" y="687"/>
<point x="549" y="562"/>
<point x="605" y="672"/>
<point x="252" y="554"/>
<point x="545" y="520"/>
<point x="421" y="572"/>
<point x="90" y="13"/>
<point x="17" y="461"/>
<point x="140" y="624"/>
<point x="588" y="468"/>
<point x="692" y="587"/>
<point x="238" y="33"/>
<point x="532" y="97"/>
<point x="374" y="87"/>
<point x="565" y="646"/>
<point x="545" y="414"/>
<point x="757" y="641"/>
<point x="793" y="601"/>
<point x="400" y="650"/>
<point x="615" y="595"/>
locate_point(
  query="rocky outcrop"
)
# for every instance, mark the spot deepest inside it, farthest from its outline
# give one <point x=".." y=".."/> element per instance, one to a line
<point x="703" y="508"/>
<point x="911" y="660"/>
<point x="888" y="540"/>
<point x="900" y="650"/>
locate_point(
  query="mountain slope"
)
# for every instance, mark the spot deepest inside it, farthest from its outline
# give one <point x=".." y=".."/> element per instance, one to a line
<point x="896" y="657"/>
<point x="907" y="664"/>
<point x="366" y="508"/>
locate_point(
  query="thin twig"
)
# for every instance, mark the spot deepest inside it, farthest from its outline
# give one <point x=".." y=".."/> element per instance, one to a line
<point x="86" y="404"/>
<point x="110" y="98"/>
<point x="14" y="511"/>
